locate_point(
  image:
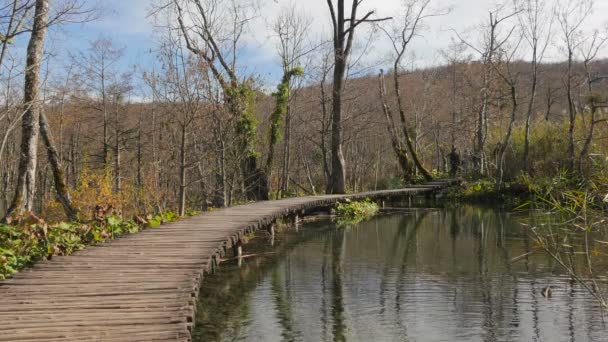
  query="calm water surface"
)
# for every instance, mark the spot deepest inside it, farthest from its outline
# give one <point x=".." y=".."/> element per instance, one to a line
<point x="419" y="275"/>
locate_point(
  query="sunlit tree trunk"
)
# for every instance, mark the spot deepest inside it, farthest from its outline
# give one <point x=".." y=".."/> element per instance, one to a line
<point x="117" y="161"/>
<point x="343" y="37"/>
<point x="400" y="152"/>
<point x="182" y="172"/>
<point x="61" y="187"/>
<point x="338" y="173"/>
<point x="23" y="199"/>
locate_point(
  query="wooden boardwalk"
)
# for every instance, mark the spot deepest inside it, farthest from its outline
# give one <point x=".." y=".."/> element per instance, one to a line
<point x="142" y="287"/>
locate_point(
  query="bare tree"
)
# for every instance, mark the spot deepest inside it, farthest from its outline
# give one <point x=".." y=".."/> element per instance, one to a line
<point x="181" y="87"/>
<point x="406" y="28"/>
<point x="551" y="96"/>
<point x="493" y="41"/>
<point x="23" y="200"/>
<point x="99" y="65"/>
<point x="504" y="69"/>
<point x="118" y="95"/>
<point x="454" y="57"/>
<point x="537" y="33"/>
<point x="343" y="36"/>
<point x="324" y="101"/>
<point x="63" y="194"/>
<point x="213" y="32"/>
<point x="33" y="122"/>
<point x="13" y="24"/>
<point x="282" y="97"/>
<point x="292" y="28"/>
<point x="570" y="16"/>
<point x="396" y="143"/>
<point x="595" y="100"/>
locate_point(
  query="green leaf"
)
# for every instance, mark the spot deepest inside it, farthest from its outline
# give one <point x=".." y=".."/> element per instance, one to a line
<point x="114" y="221"/>
<point x="64" y="226"/>
<point x="155" y="222"/>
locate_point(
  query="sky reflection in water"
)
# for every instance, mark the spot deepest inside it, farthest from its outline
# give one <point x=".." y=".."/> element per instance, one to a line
<point x="421" y="275"/>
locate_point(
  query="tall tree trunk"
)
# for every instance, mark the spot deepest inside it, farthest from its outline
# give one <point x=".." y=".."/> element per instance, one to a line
<point x="140" y="178"/>
<point x="530" y="110"/>
<point x="405" y="128"/>
<point x="182" y="172"/>
<point x="594" y="108"/>
<point x="503" y="147"/>
<point x="342" y="40"/>
<point x="482" y="119"/>
<point x="203" y="187"/>
<point x="6" y="181"/>
<point x="117" y="170"/>
<point x="62" y="114"/>
<point x="282" y="97"/>
<point x="75" y="155"/>
<point x="104" y="104"/>
<point x="571" y="112"/>
<point x="338" y="174"/>
<point x="308" y="173"/>
<point x="23" y="199"/>
<point x="453" y="103"/>
<point x="587" y="146"/>
<point x="221" y="196"/>
<point x="550" y="101"/>
<point x="324" y="130"/>
<point x="61" y="188"/>
<point x="399" y="151"/>
<point x="155" y="158"/>
<point x="286" y="153"/>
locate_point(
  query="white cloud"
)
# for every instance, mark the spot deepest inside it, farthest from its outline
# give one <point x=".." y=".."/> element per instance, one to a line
<point x="125" y="16"/>
<point x="129" y="18"/>
<point x="465" y="15"/>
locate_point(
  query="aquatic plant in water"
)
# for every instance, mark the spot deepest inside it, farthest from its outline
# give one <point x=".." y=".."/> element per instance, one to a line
<point x="577" y="244"/>
<point x="353" y="212"/>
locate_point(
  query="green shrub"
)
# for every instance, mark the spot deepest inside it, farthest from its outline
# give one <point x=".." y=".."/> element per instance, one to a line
<point x="353" y="212"/>
<point x="34" y="240"/>
<point x="19" y="248"/>
<point x="484" y="192"/>
<point x="162" y="218"/>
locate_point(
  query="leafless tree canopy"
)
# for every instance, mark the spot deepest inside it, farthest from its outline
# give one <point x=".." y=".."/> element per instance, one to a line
<point x="522" y="93"/>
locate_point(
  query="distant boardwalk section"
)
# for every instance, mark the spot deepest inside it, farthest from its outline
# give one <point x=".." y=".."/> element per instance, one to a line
<point x="143" y="287"/>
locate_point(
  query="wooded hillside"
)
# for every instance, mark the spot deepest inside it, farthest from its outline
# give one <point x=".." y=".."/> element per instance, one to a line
<point x="192" y="132"/>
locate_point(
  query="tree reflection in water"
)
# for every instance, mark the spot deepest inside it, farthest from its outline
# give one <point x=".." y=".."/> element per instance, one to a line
<point x="440" y="275"/>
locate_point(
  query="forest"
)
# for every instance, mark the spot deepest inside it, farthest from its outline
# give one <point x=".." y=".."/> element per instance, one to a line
<point x="514" y="105"/>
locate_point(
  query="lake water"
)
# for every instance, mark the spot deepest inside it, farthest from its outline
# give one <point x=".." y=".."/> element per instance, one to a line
<point x="415" y="275"/>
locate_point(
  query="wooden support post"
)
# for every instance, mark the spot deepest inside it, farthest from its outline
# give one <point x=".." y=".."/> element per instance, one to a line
<point x="296" y="222"/>
<point x="238" y="249"/>
<point x="238" y="252"/>
<point x="271" y="231"/>
<point x="214" y="264"/>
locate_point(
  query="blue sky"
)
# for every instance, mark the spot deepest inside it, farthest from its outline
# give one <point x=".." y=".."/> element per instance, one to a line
<point x="123" y="21"/>
<point x="126" y="22"/>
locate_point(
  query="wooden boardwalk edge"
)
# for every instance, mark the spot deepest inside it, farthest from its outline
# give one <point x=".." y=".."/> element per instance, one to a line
<point x="144" y="287"/>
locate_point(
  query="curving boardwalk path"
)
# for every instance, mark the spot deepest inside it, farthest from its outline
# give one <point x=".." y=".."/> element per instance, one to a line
<point x="142" y="287"/>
